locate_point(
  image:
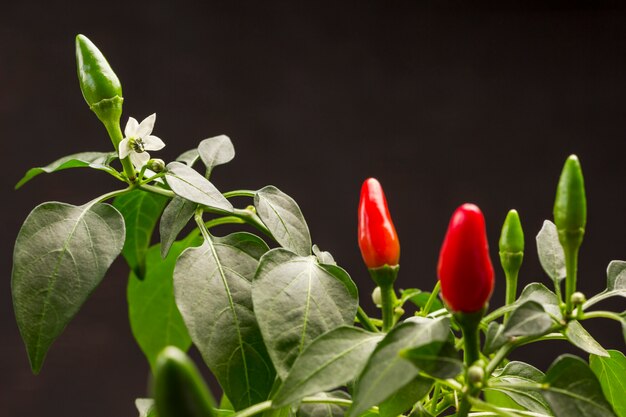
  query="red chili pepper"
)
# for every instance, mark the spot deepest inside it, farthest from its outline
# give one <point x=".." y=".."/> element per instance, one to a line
<point x="464" y="269"/>
<point x="378" y="239"/>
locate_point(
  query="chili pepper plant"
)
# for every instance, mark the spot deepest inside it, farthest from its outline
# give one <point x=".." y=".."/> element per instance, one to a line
<point x="278" y="322"/>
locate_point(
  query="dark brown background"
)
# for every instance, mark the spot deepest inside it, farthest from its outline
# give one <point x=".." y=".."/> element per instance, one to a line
<point x="444" y="104"/>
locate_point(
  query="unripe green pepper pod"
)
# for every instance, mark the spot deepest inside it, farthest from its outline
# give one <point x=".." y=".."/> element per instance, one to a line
<point x="511" y="254"/>
<point x="570" y="204"/>
<point x="570" y="217"/>
<point x="179" y="390"/>
<point x="101" y="88"/>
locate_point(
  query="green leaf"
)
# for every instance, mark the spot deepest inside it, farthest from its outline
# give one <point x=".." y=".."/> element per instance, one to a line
<point x="283" y="218"/>
<point x="551" y="255"/>
<point x="494" y="338"/>
<point x="189" y="184"/>
<point x="323" y="257"/>
<point x="611" y="372"/>
<point x="540" y="294"/>
<point x="529" y="319"/>
<point x="331" y="360"/>
<point x="216" y="151"/>
<point x="154" y="318"/>
<point x="404" y="399"/>
<point x="420" y="298"/>
<point x="577" y="334"/>
<point x="386" y="371"/>
<point x="189" y="157"/>
<point x="615" y="283"/>
<point x="61" y="255"/>
<point x="145" y="406"/>
<point x="572" y="389"/>
<point x="521" y="398"/>
<point x="175" y="217"/>
<point x="435" y="354"/>
<point x="212" y="286"/>
<point x="96" y="160"/>
<point x="324" y="410"/>
<point x="141" y="211"/>
<point x="296" y="300"/>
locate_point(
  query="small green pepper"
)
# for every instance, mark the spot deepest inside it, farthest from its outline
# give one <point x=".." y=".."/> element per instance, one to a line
<point x="100" y="86"/>
<point x="179" y="390"/>
<point x="570" y="217"/>
<point x="570" y="204"/>
<point x="511" y="253"/>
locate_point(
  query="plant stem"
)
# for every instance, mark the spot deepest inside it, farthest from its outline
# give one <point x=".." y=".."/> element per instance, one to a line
<point x="254" y="409"/>
<point x="115" y="133"/>
<point x="571" y="267"/>
<point x="431" y="299"/>
<point x="266" y="405"/>
<point x="157" y="190"/>
<point x="603" y="315"/>
<point x="111" y="194"/>
<point x="365" y="320"/>
<point x="239" y="193"/>
<point x="511" y="290"/>
<point x="435" y="399"/>
<point x="388" y="299"/>
<point x="481" y="405"/>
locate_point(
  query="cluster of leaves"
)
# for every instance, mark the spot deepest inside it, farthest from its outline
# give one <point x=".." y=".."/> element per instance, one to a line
<point x="279" y="324"/>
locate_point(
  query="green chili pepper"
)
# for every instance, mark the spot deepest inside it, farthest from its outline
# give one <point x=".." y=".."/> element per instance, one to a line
<point x="511" y="253"/>
<point x="570" y="217"/>
<point x="100" y="86"/>
<point x="179" y="390"/>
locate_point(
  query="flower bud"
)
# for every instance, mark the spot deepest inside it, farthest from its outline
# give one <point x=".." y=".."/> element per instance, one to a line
<point x="156" y="165"/>
<point x="378" y="239"/>
<point x="475" y="374"/>
<point x="100" y="86"/>
<point x="376" y="297"/>
<point x="464" y="268"/>
<point x="578" y="298"/>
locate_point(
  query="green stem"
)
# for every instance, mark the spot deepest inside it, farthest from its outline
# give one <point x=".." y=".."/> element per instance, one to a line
<point x="266" y="405"/>
<point x="481" y="405"/>
<point x="157" y="190"/>
<point x="571" y="267"/>
<point x="602" y="315"/>
<point x="469" y="323"/>
<point x="388" y="299"/>
<point x="431" y="299"/>
<point x="511" y="290"/>
<point x="435" y="399"/>
<point x="223" y="220"/>
<point x="254" y="409"/>
<point x="115" y="133"/>
<point x="239" y="193"/>
<point x="365" y="320"/>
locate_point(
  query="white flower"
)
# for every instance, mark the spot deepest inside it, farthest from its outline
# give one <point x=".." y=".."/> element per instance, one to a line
<point x="138" y="140"/>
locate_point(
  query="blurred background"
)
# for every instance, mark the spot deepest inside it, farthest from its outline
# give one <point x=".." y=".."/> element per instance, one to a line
<point x="442" y="102"/>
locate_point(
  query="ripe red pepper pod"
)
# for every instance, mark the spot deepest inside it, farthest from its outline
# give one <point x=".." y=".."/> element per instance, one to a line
<point x="378" y="239"/>
<point x="464" y="268"/>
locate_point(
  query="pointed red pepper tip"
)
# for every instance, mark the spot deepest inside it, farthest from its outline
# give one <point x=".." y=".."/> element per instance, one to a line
<point x="378" y="239"/>
<point x="464" y="268"/>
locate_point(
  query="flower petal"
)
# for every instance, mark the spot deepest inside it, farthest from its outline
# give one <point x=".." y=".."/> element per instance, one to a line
<point x="124" y="148"/>
<point x="152" y="143"/>
<point x="146" y="126"/>
<point x="130" y="131"/>
<point x="139" y="159"/>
